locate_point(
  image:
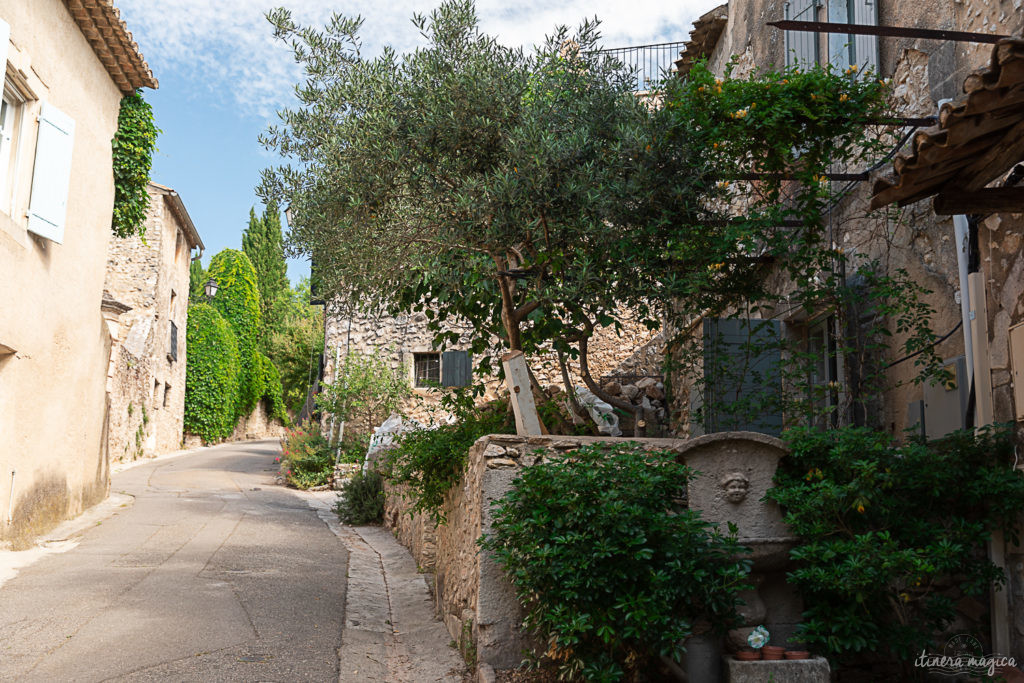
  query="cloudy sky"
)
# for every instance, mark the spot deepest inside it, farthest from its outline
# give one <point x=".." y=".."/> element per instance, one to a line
<point x="222" y="77"/>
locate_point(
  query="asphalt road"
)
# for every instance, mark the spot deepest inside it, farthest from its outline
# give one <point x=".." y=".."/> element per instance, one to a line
<point x="213" y="574"/>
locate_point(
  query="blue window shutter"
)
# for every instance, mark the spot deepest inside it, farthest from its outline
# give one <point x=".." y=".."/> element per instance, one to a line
<point x="840" y="45"/>
<point x="865" y="53"/>
<point x="802" y="46"/>
<point x="742" y="376"/>
<point x="51" y="177"/>
<point x="456" y="369"/>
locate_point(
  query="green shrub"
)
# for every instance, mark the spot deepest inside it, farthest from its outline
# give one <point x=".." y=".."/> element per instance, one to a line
<point x="307" y="458"/>
<point x="353" y="448"/>
<point x="267" y="387"/>
<point x="610" y="574"/>
<point x="892" y="535"/>
<point x="238" y="301"/>
<point x="361" y="500"/>
<point x="211" y="375"/>
<point x="366" y="391"/>
<point x="428" y="462"/>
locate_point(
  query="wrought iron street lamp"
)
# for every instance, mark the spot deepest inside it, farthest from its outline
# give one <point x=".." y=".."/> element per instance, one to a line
<point x="211" y="287"/>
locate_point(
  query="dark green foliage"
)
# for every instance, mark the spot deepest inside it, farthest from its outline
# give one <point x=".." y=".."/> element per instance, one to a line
<point x="404" y="204"/>
<point x="361" y="500"/>
<point x="430" y="461"/>
<point x="891" y="535"/>
<point x="211" y="378"/>
<point x="263" y="244"/>
<point x="295" y="347"/>
<point x="132" y="147"/>
<point x="611" y="569"/>
<point x="197" y="278"/>
<point x="267" y="386"/>
<point x="238" y="301"/>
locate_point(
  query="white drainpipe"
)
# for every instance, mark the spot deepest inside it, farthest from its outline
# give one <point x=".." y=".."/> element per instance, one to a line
<point x="961" y="230"/>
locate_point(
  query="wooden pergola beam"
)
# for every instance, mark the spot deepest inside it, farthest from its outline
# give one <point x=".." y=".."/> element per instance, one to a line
<point x="983" y="201"/>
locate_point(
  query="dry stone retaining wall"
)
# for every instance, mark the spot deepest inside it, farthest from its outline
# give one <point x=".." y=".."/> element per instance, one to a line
<point x="477" y="603"/>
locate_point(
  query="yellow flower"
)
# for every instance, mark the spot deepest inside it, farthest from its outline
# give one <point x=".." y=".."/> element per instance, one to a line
<point x="844" y="97"/>
<point x="904" y="597"/>
<point x="700" y="89"/>
<point x="860" y="508"/>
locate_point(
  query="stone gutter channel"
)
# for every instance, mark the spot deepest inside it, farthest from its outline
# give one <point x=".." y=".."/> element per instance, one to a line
<point x="390" y="633"/>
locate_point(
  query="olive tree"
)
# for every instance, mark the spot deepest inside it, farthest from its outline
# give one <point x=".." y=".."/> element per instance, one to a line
<point x="474" y="181"/>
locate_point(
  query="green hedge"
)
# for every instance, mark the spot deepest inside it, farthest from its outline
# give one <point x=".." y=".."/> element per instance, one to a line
<point x="238" y="301"/>
<point x="267" y="386"/>
<point x="211" y="379"/>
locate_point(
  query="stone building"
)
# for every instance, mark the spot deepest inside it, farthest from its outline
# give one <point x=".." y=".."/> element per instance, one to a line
<point x="945" y="155"/>
<point x="150" y="276"/>
<point x="633" y="354"/>
<point x="67" y="64"/>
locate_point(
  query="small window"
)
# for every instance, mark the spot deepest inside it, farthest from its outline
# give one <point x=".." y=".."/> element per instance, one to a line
<point x="11" y="114"/>
<point x="167" y="395"/>
<point x="156" y="400"/>
<point x="426" y="369"/>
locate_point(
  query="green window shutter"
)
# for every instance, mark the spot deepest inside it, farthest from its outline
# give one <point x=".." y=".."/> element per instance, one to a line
<point x="743" y="384"/>
<point x="51" y="178"/>
<point x="456" y="369"/>
<point x="801" y="46"/>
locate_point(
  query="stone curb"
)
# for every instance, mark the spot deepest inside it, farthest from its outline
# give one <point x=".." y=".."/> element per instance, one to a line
<point x="390" y="633"/>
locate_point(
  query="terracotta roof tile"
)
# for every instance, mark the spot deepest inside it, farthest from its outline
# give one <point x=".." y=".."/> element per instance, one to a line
<point x="110" y="38"/>
<point x="705" y="34"/>
<point x="975" y="141"/>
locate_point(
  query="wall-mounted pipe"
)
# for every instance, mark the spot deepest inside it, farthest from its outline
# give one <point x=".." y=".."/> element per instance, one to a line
<point x="10" y="500"/>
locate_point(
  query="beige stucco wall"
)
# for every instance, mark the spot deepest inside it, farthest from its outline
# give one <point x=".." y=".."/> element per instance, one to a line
<point x="52" y="394"/>
<point x="148" y="388"/>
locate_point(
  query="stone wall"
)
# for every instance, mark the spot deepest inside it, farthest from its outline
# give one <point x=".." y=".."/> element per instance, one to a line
<point x="478" y="605"/>
<point x="147" y="387"/>
<point x="912" y="238"/>
<point x="635" y="351"/>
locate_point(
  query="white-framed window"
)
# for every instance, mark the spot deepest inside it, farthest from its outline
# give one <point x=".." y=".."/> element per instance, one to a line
<point x="843" y="50"/>
<point x="12" y="119"/>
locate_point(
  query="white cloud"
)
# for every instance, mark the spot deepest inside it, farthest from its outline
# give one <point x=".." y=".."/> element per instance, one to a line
<point x="227" y="44"/>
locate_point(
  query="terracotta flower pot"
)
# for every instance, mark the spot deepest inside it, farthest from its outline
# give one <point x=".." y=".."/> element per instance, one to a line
<point x="798" y="654"/>
<point x="772" y="651"/>
<point x="748" y="655"/>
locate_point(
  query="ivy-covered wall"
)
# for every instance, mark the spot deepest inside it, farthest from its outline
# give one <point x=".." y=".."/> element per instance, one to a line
<point x="228" y="377"/>
<point x="211" y="382"/>
<point x="238" y="302"/>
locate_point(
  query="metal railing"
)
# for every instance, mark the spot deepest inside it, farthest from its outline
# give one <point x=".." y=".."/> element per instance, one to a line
<point x="650" y="63"/>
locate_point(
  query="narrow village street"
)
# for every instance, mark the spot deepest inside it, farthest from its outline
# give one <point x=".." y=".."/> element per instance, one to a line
<point x="214" y="573"/>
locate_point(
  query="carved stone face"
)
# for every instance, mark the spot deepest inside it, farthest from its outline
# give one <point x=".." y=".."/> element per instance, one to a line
<point x="735" y="487"/>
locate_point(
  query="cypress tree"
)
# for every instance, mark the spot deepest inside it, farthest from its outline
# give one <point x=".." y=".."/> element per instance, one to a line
<point x="263" y="243"/>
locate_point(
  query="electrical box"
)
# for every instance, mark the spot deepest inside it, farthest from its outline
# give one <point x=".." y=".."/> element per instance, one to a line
<point x="945" y="405"/>
<point x="1017" y="365"/>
